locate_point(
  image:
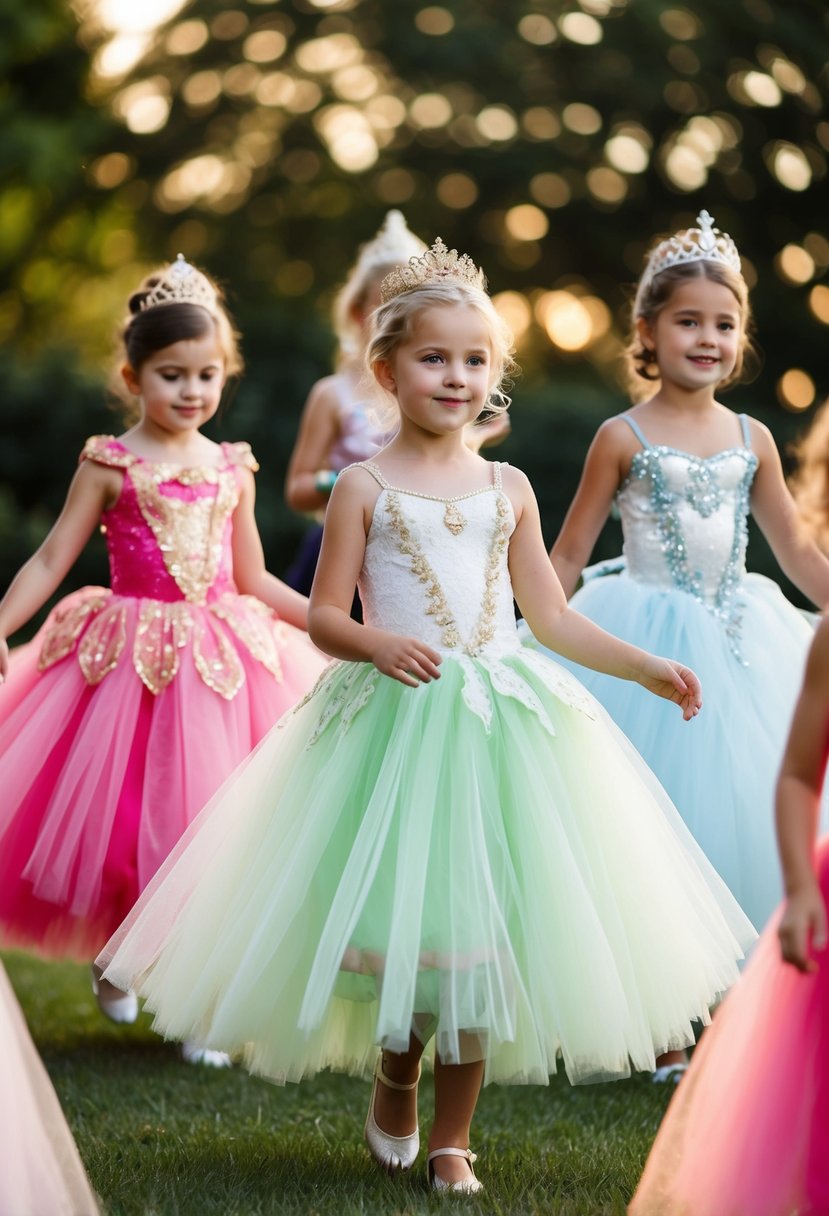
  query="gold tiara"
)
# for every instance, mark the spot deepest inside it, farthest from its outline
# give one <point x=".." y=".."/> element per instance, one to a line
<point x="180" y="283"/>
<point x="436" y="265"/>
<point x="703" y="244"/>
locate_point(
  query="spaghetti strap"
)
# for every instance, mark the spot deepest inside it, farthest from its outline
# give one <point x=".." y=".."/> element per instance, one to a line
<point x="746" y="429"/>
<point x="370" y="467"/>
<point x="497" y="465"/>
<point x="637" y="430"/>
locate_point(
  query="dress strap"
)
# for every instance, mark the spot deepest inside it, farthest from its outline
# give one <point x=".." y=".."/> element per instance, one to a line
<point x="637" y="430"/>
<point x="241" y="455"/>
<point x="497" y="466"/>
<point x="746" y="429"/>
<point x="371" y="467"/>
<point x="106" y="449"/>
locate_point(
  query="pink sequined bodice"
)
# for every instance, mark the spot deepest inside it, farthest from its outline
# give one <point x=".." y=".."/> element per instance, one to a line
<point x="169" y="534"/>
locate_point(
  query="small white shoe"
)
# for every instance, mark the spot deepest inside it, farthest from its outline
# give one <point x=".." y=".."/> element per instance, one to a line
<point x="194" y="1053"/>
<point x="120" y="1007"/>
<point x="393" y="1153"/>
<point x="464" y="1186"/>
<point x="669" y="1073"/>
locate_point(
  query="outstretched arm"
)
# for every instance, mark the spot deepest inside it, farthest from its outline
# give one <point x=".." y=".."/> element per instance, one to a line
<point x="607" y="460"/>
<point x="94" y="488"/>
<point x="249" y="572"/>
<point x="775" y="510"/>
<point x="347" y="522"/>
<point x="543" y="604"/>
<point x="797" y="805"/>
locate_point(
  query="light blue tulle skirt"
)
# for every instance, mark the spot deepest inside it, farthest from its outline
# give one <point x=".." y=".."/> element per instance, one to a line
<point x="720" y="769"/>
<point x="483" y="861"/>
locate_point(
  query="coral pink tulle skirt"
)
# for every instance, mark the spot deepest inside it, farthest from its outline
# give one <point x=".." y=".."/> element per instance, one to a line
<point x="100" y="775"/>
<point x="747" y="1133"/>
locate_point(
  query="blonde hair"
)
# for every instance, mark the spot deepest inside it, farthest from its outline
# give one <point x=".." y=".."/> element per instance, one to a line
<point x="641" y="363"/>
<point x="810" y="481"/>
<point x="350" y="301"/>
<point x="392" y="324"/>
<point x="148" y="330"/>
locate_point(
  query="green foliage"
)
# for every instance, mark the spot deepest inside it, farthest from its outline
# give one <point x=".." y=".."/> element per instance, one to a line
<point x="250" y="176"/>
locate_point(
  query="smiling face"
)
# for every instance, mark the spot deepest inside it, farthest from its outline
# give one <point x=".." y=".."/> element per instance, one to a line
<point x="441" y="374"/>
<point x="696" y="336"/>
<point x="179" y="386"/>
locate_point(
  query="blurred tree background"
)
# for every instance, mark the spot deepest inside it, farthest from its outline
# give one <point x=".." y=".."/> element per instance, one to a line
<point x="265" y="139"/>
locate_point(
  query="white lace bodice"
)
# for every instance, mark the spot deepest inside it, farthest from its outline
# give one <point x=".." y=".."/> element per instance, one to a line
<point x="436" y="569"/>
<point x="684" y="520"/>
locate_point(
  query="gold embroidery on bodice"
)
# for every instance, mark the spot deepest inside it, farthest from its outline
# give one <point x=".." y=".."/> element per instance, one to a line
<point x="189" y="532"/>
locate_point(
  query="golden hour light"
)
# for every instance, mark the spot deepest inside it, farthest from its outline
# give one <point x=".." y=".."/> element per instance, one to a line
<point x="566" y="319"/>
<point x="795" y="264"/>
<point x="516" y="311"/>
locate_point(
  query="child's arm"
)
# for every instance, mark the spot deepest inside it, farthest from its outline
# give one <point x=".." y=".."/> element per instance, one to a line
<point x="607" y="461"/>
<point x="544" y="606"/>
<point x="318" y="431"/>
<point x="249" y="572"/>
<point x="94" y="488"/>
<point x="797" y="804"/>
<point x="347" y="522"/>
<point x="775" y="511"/>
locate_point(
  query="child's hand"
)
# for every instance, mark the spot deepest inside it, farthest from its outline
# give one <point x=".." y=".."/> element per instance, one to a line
<point x="674" y="682"/>
<point x="803" y="925"/>
<point x="405" y="659"/>
<point x="4" y="660"/>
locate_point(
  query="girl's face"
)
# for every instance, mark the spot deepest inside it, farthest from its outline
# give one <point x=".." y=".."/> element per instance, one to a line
<point x="181" y="385"/>
<point x="696" y="336"/>
<point x="441" y="374"/>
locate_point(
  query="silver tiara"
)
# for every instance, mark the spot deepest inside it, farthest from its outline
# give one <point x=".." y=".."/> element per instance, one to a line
<point x="703" y="244"/>
<point x="180" y="283"/>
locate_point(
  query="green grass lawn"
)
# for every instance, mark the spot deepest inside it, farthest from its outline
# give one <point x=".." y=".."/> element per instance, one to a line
<point x="162" y="1138"/>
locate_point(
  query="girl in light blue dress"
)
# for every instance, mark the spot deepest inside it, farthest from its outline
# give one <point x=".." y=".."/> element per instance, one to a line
<point x="684" y="472"/>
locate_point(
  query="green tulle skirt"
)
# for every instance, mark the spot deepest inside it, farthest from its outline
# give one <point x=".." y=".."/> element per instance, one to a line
<point x="483" y="861"/>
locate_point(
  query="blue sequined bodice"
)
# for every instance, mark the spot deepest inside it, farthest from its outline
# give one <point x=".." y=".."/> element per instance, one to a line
<point x="684" y="520"/>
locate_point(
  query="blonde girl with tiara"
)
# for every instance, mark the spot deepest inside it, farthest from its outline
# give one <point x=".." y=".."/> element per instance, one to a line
<point x="447" y="851"/>
<point x="133" y="703"/>
<point x="338" y="426"/>
<point x="684" y="471"/>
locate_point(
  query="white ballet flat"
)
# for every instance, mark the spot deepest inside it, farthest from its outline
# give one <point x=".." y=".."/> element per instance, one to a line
<point x="194" y="1053"/>
<point x="669" y="1073"/>
<point x="465" y="1186"/>
<point x="122" y="1009"/>
<point x="393" y="1153"/>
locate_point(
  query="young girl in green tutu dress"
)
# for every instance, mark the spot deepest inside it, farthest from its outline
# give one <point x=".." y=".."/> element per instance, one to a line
<point x="447" y="847"/>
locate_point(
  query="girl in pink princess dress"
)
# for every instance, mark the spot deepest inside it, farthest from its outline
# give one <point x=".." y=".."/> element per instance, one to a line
<point x="132" y="705"/>
<point x="746" y="1133"/>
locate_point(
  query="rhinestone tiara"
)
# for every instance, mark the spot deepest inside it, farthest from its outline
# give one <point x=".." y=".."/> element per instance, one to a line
<point x="180" y="283"/>
<point x="703" y="244"/>
<point x="436" y="265"/>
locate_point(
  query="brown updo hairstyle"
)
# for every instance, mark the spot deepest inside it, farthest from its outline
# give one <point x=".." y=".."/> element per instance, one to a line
<point x="640" y="361"/>
<point x="146" y="331"/>
<point x="810" y="481"/>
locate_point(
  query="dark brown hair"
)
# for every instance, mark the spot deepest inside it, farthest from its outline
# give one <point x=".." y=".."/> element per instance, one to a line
<point x="640" y="360"/>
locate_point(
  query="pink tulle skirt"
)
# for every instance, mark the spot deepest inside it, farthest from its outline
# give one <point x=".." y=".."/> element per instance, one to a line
<point x="747" y="1133"/>
<point x="100" y="775"/>
<point x="40" y="1171"/>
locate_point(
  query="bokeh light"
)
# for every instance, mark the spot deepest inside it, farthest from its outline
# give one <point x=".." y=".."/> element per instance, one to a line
<point x="796" y="390"/>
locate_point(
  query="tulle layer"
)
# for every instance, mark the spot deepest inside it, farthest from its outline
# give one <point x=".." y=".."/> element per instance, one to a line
<point x="100" y="780"/>
<point x="41" y="1173"/>
<point x="483" y="858"/>
<point x="745" y="1134"/>
<point x="720" y="769"/>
